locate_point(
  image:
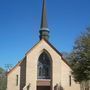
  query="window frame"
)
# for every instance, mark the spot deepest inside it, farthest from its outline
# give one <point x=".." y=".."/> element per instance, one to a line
<point x="17" y="77"/>
<point x="44" y="66"/>
<point x="70" y="80"/>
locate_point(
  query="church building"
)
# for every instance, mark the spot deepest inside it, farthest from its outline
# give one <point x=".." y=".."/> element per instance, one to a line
<point x="43" y="67"/>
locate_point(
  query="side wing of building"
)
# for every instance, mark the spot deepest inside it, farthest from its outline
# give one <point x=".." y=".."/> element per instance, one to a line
<point x="16" y="78"/>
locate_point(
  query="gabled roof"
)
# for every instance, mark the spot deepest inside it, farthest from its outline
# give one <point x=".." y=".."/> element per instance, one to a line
<point x="33" y="48"/>
<point x="18" y="64"/>
<point x="53" y="49"/>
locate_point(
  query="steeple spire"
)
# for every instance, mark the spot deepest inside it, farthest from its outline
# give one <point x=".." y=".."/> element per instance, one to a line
<point x="44" y="31"/>
<point x="44" y="19"/>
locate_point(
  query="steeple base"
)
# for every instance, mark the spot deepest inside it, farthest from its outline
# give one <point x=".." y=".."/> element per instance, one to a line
<point x="44" y="34"/>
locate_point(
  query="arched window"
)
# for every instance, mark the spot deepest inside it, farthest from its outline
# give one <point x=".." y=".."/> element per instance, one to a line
<point x="44" y="66"/>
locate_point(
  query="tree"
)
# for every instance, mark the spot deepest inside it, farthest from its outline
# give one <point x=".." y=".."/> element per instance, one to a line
<point x="1" y="70"/>
<point x="3" y="80"/>
<point x="80" y="58"/>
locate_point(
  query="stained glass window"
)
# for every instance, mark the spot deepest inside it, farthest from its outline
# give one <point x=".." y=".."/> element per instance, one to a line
<point x="44" y="66"/>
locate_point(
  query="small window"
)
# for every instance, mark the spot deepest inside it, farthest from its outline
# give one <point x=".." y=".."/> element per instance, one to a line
<point x="16" y="80"/>
<point x="70" y="80"/>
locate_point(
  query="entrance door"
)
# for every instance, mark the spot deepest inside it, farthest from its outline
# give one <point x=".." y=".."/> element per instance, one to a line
<point x="43" y="87"/>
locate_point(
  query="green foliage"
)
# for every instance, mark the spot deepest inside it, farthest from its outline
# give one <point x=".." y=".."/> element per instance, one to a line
<point x="3" y="83"/>
<point x="80" y="58"/>
<point x="3" y="79"/>
<point x="1" y="70"/>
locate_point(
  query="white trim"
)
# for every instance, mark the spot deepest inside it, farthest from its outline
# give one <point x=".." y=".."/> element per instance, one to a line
<point x="44" y="29"/>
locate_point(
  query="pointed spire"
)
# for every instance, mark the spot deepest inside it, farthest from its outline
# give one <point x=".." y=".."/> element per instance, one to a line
<point x="44" y="31"/>
<point x="44" y="18"/>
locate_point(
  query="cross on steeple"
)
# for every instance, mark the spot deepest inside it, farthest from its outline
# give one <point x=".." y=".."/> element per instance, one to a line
<point x="44" y="31"/>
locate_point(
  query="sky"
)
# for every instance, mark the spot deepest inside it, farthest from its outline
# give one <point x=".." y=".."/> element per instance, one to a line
<point x="20" y="23"/>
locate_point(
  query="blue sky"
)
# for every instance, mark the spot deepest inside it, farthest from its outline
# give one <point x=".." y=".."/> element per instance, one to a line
<point x="20" y="22"/>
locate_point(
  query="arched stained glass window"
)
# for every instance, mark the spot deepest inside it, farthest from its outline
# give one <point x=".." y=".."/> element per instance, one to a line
<point x="44" y="66"/>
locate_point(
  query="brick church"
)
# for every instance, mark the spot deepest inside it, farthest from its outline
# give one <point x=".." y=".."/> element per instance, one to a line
<point x="43" y="67"/>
